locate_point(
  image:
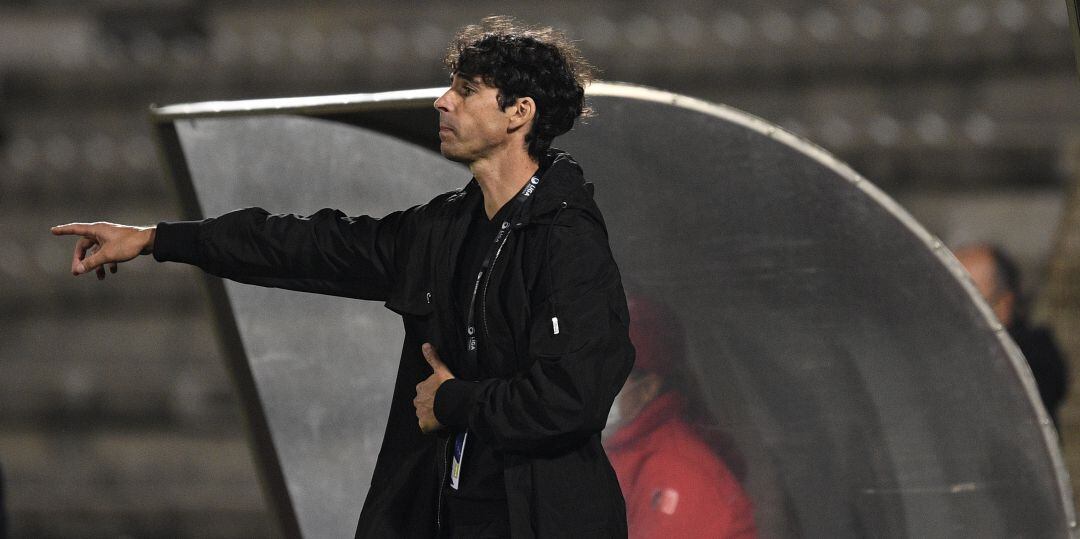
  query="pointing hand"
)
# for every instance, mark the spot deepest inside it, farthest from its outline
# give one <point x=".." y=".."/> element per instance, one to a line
<point x="105" y="244"/>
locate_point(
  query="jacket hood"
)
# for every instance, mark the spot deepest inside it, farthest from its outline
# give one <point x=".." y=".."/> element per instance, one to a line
<point x="561" y="180"/>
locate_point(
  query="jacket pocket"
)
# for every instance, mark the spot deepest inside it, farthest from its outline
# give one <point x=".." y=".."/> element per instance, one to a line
<point x="547" y="337"/>
<point x="571" y="327"/>
<point x="418" y="316"/>
<point x="415" y="304"/>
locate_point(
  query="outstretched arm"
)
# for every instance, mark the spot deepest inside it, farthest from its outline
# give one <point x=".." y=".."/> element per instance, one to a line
<point x="326" y="252"/>
<point x="106" y="244"/>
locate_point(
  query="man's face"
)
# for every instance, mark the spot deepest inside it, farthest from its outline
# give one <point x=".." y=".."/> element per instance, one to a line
<point x="471" y="123"/>
<point x="981" y="266"/>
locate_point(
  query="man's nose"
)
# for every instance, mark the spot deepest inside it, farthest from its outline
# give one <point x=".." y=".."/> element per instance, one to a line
<point x="443" y="102"/>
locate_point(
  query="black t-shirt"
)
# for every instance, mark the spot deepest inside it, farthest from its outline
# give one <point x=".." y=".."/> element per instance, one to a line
<point x="481" y="475"/>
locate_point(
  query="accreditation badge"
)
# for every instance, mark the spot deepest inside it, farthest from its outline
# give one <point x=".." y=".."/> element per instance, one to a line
<point x="459" y="453"/>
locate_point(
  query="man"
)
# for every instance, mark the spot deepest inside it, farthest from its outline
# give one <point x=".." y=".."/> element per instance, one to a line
<point x="673" y="481"/>
<point x="998" y="279"/>
<point x="515" y="320"/>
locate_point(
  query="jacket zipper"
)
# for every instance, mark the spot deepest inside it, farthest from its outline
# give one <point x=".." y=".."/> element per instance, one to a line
<point x="442" y="484"/>
<point x="484" y="328"/>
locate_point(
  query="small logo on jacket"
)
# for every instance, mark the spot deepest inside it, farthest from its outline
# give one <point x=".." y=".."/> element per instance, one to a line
<point x="665" y="500"/>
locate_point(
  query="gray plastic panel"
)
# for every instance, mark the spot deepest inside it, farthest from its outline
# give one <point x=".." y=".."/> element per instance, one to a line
<point x="324" y="366"/>
<point x="870" y="394"/>
<point x="867" y="387"/>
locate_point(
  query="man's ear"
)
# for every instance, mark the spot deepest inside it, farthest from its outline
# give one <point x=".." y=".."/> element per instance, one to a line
<point x="521" y="113"/>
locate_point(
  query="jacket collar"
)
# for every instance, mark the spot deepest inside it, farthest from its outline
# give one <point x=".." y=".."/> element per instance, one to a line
<point x="561" y="180"/>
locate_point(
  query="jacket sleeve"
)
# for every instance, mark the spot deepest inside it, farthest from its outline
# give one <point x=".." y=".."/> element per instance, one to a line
<point x="563" y="397"/>
<point x="326" y="252"/>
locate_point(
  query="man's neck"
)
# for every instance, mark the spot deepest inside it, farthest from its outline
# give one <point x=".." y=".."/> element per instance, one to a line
<point x="501" y="177"/>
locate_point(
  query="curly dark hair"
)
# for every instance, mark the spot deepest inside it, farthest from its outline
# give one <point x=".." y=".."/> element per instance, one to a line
<point x="520" y="61"/>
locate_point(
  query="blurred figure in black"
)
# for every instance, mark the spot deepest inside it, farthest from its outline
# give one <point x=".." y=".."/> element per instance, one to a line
<point x="997" y="277"/>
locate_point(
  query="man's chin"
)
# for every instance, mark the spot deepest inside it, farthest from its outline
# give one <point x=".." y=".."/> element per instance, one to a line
<point x="453" y="156"/>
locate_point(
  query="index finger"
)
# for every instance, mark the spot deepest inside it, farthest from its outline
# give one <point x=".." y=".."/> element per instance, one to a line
<point x="81" y="229"/>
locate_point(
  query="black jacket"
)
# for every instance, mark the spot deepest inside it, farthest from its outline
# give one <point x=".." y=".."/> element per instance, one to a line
<point x="1047" y="363"/>
<point x="541" y="402"/>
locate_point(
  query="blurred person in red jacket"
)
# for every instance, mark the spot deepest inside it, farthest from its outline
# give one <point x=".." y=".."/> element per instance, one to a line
<point x="674" y="483"/>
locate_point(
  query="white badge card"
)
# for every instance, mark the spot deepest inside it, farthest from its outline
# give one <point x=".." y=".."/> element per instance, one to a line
<point x="459" y="453"/>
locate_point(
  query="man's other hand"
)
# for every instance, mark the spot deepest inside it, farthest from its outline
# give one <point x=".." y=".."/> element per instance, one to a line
<point x="425" y="391"/>
<point x="106" y="244"/>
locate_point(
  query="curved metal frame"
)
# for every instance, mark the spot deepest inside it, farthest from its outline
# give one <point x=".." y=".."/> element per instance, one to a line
<point x="330" y="106"/>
